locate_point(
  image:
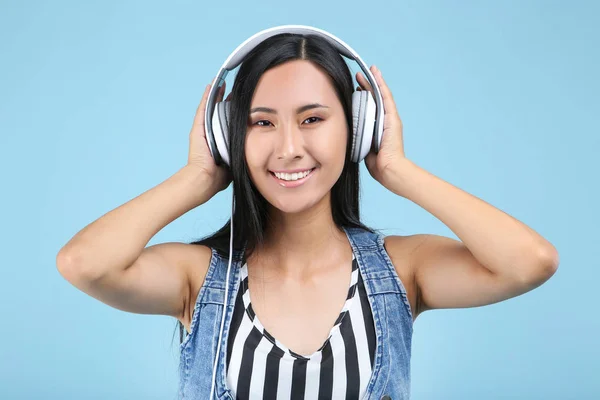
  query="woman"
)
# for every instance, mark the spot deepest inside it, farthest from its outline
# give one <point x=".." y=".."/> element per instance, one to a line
<point x="320" y="305"/>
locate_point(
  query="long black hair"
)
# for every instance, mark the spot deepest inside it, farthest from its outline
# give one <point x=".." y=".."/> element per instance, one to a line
<point x="250" y="215"/>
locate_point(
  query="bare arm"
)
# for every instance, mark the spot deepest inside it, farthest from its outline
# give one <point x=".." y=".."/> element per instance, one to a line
<point x="441" y="272"/>
<point x="497" y="257"/>
<point x="108" y="260"/>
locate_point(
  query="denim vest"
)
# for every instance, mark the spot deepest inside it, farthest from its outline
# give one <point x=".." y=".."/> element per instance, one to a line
<point x="390" y="377"/>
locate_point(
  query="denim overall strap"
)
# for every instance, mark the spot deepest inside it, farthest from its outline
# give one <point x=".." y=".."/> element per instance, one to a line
<point x="391" y="314"/>
<point x="205" y="327"/>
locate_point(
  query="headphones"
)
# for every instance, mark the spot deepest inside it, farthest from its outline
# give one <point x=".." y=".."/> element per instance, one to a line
<point x="367" y="112"/>
<point x="367" y="120"/>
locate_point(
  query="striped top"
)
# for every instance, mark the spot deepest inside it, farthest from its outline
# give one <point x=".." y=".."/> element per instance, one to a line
<point x="261" y="367"/>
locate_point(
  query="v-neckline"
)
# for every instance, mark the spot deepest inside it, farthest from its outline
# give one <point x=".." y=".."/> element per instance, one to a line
<point x="249" y="311"/>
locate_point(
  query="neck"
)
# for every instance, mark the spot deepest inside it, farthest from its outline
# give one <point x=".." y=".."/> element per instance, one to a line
<point x="299" y="245"/>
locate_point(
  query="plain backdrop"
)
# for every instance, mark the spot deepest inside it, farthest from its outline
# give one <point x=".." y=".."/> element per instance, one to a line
<point x="498" y="98"/>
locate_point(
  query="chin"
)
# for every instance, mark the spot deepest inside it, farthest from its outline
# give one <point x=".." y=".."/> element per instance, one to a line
<point x="291" y="205"/>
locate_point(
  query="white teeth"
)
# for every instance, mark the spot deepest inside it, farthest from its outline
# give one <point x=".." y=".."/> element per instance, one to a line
<point x="292" y="177"/>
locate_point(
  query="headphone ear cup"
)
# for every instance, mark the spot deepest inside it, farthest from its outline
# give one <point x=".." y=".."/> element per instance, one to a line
<point x="220" y="128"/>
<point x="363" y="124"/>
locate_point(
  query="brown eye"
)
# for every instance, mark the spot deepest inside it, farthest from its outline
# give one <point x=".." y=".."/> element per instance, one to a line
<point x="317" y="118"/>
<point x="259" y="122"/>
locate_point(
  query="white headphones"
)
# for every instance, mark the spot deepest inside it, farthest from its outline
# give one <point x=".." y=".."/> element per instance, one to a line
<point x="367" y="119"/>
<point x="367" y="113"/>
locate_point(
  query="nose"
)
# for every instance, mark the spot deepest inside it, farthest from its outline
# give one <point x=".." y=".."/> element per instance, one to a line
<point x="290" y="143"/>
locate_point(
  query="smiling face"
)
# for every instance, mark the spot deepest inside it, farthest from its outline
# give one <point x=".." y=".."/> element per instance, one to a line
<point x="296" y="125"/>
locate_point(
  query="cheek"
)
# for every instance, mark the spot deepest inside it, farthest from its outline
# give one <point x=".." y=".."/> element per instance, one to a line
<point x="331" y="148"/>
<point x="255" y="151"/>
<point x="337" y="137"/>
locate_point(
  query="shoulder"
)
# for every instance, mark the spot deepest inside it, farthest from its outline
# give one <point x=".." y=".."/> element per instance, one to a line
<point x="199" y="257"/>
<point x="403" y="247"/>
<point x="401" y="250"/>
<point x="198" y="260"/>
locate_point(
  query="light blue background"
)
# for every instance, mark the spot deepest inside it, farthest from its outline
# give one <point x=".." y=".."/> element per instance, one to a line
<point x="497" y="98"/>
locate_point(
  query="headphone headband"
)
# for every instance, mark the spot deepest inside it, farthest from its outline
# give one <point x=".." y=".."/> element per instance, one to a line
<point x="238" y="55"/>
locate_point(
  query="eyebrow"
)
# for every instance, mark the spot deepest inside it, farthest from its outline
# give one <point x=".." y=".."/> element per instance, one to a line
<point x="298" y="110"/>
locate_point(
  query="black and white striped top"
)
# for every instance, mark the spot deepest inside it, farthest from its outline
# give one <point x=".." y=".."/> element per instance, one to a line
<point x="261" y="367"/>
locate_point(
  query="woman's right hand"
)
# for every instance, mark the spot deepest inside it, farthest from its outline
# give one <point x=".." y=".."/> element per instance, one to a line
<point x="199" y="157"/>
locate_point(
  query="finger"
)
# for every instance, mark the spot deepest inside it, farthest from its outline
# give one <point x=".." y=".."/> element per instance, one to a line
<point x="362" y="81"/>
<point x="199" y="117"/>
<point x="389" y="104"/>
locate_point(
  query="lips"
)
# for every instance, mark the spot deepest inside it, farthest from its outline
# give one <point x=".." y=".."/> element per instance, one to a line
<point x="296" y="171"/>
<point x="292" y="184"/>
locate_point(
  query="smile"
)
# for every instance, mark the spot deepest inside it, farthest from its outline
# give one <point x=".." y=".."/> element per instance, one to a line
<point x="292" y="180"/>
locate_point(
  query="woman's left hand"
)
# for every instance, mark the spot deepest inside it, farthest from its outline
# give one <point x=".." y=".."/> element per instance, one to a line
<point x="391" y="153"/>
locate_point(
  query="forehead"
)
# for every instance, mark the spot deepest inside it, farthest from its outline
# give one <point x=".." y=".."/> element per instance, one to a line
<point x="292" y="84"/>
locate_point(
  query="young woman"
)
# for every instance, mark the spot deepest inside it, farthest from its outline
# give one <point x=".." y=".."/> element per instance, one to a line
<point x="319" y="306"/>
